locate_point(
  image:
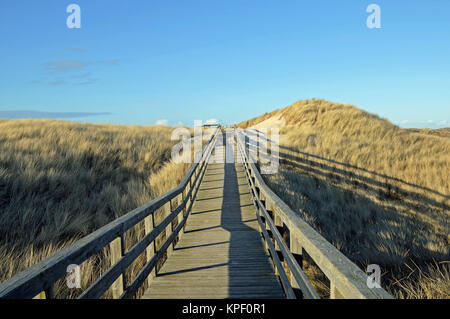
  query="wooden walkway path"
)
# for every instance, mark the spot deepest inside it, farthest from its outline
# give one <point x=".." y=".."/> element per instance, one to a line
<point x="221" y="253"/>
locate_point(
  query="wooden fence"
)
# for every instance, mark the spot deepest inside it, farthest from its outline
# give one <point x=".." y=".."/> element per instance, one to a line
<point x="287" y="236"/>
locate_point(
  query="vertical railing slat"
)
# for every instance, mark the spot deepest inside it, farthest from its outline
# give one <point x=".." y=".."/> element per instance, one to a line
<point x="116" y="251"/>
<point x="168" y="208"/>
<point x="334" y="292"/>
<point x="149" y="225"/>
<point x="297" y="252"/>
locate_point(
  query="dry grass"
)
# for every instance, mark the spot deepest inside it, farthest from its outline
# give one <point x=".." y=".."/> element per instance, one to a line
<point x="377" y="192"/>
<point x="59" y="181"/>
<point x="431" y="283"/>
<point x="441" y="132"/>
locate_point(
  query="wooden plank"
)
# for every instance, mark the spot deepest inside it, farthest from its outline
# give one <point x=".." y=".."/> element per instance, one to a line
<point x="334" y="292"/>
<point x="116" y="255"/>
<point x="180" y="216"/>
<point x="297" y="253"/>
<point x="106" y="279"/>
<point x="306" y="287"/>
<point x="221" y="254"/>
<point x="280" y="271"/>
<point x="168" y="210"/>
<point x="217" y="295"/>
<point x="149" y="224"/>
<point x="145" y="271"/>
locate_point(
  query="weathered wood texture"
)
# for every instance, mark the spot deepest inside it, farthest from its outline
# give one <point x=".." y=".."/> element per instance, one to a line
<point x="347" y="280"/>
<point x="221" y="253"/>
<point x="273" y="232"/>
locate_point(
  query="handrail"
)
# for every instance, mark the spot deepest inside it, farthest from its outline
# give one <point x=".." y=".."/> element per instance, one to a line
<point x="42" y="276"/>
<point x="346" y="279"/>
<point x="306" y="289"/>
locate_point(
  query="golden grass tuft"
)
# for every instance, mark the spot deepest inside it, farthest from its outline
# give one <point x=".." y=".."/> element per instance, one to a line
<point x="59" y="181"/>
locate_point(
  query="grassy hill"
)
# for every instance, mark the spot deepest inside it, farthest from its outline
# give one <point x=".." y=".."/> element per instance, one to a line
<point x="377" y="192"/>
<point x="59" y="181"/>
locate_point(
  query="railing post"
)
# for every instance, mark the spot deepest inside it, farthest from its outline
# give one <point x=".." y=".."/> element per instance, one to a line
<point x="196" y="170"/>
<point x="296" y="248"/>
<point x="180" y="216"/>
<point x="297" y="252"/>
<point x="50" y="293"/>
<point x="185" y="205"/>
<point x="116" y="249"/>
<point x="268" y="207"/>
<point x="149" y="224"/>
<point x="191" y="194"/>
<point x="278" y="224"/>
<point x="284" y="232"/>
<point x="262" y="198"/>
<point x="188" y="200"/>
<point x="334" y="292"/>
<point x="169" y="229"/>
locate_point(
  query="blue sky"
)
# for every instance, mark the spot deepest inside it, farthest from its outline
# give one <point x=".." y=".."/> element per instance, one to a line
<point x="137" y="62"/>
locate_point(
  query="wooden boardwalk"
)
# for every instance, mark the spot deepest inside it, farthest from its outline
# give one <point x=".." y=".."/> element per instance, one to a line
<point x="222" y="250"/>
<point x="221" y="253"/>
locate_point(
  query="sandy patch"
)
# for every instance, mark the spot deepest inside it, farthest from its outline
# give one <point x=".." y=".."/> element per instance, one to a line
<point x="271" y="122"/>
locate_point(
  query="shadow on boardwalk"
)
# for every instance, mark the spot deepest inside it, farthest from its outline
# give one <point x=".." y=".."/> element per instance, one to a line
<point x="249" y="267"/>
<point x="220" y="254"/>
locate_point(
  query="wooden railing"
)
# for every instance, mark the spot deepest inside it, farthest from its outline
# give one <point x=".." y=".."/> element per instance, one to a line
<point x="287" y="236"/>
<point x="40" y="278"/>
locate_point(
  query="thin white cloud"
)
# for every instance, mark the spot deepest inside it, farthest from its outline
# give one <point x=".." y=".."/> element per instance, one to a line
<point x="212" y="121"/>
<point x="62" y="66"/>
<point x="77" y="69"/>
<point x="65" y="65"/>
<point x="26" y="114"/>
<point x="107" y="62"/>
<point x="162" y="122"/>
<point x="424" y="124"/>
<point x="81" y="75"/>
<point x="57" y="82"/>
<point x="88" y="81"/>
<point x="76" y="50"/>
